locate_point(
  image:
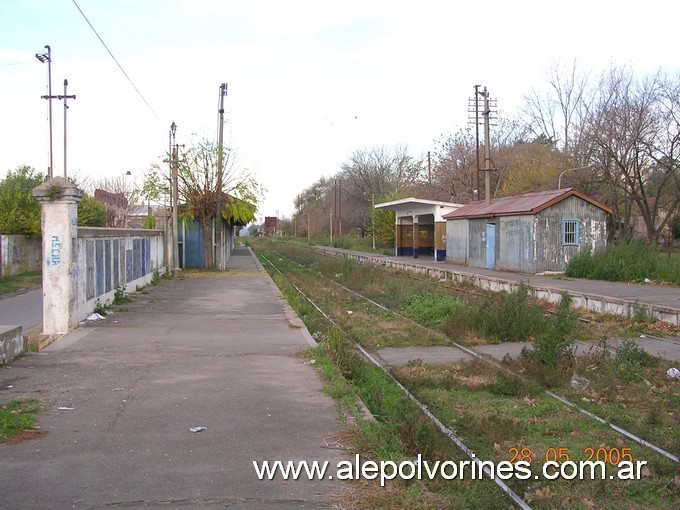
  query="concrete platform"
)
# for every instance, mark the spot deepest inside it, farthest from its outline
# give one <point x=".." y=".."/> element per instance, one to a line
<point x="626" y="299"/>
<point x="211" y="349"/>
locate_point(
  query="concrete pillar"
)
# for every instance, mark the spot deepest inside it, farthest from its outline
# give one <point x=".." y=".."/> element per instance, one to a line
<point x="58" y="198"/>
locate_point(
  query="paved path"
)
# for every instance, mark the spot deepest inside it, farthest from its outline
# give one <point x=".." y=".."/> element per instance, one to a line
<point x="23" y="309"/>
<point x="212" y="350"/>
<point x="667" y="350"/>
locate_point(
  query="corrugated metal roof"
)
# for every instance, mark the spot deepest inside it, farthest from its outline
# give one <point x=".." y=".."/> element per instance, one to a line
<point x="529" y="203"/>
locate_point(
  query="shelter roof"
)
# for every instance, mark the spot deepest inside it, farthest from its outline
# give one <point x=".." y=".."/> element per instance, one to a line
<point x="409" y="203"/>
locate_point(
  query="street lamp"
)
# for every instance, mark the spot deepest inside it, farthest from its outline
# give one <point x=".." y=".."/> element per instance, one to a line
<point x="559" y="179"/>
<point x="47" y="57"/>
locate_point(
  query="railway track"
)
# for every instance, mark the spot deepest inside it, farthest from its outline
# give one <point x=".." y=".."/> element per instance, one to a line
<point x="472" y="352"/>
<point x="446" y="431"/>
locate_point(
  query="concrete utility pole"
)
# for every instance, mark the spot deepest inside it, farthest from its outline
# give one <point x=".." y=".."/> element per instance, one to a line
<point x="47" y="57"/>
<point x="373" y="218"/>
<point x="220" y="261"/>
<point x="175" y="201"/>
<point x="487" y="146"/>
<point x="65" y="97"/>
<point x="477" y="138"/>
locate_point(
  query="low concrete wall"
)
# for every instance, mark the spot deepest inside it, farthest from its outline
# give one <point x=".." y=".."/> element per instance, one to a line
<point x="592" y="302"/>
<point x="11" y="343"/>
<point x="19" y="254"/>
<point x="109" y="259"/>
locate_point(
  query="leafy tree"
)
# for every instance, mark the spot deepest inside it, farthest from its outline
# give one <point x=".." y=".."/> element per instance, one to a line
<point x="149" y="221"/>
<point x="19" y="210"/>
<point x="531" y="167"/>
<point x="199" y="189"/>
<point x="91" y="212"/>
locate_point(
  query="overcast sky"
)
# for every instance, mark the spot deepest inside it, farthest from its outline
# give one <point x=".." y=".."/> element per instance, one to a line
<point x="308" y="81"/>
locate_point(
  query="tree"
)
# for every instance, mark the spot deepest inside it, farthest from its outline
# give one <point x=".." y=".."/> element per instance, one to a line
<point x="91" y="212"/>
<point x="454" y="175"/>
<point x="19" y="210"/>
<point x="559" y="115"/>
<point x="380" y="171"/>
<point x="199" y="191"/>
<point x="369" y="174"/>
<point x="635" y="129"/>
<point x="531" y="167"/>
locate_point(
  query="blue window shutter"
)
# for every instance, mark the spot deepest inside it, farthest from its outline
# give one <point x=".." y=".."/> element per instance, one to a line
<point x="564" y="232"/>
<point x="577" y="232"/>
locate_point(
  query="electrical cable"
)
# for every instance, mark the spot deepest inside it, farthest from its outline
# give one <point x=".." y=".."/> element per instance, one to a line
<point x="117" y="63"/>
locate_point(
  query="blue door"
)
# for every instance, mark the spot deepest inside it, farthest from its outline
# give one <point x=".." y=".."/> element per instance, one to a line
<point x="490" y="245"/>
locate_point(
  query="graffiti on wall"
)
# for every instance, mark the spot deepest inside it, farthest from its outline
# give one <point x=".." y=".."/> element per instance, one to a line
<point x="55" y="251"/>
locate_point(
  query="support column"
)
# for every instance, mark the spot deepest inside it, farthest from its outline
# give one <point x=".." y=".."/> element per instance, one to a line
<point x="415" y="236"/>
<point x="440" y="241"/>
<point x="58" y="198"/>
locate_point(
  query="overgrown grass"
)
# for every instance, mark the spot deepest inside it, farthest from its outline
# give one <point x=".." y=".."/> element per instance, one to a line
<point x="626" y="261"/>
<point x="431" y="310"/>
<point x="20" y="282"/>
<point x="17" y="416"/>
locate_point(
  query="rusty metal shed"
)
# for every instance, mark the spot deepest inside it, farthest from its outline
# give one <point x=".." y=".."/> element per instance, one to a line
<point x="531" y="233"/>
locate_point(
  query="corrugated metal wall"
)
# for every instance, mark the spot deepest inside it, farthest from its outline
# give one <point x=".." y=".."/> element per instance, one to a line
<point x="514" y="243"/>
<point x="551" y="255"/>
<point x="477" y="242"/>
<point x="457" y="234"/>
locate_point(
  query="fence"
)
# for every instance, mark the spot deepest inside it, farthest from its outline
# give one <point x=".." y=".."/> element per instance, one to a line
<point x="19" y="254"/>
<point x="109" y="259"/>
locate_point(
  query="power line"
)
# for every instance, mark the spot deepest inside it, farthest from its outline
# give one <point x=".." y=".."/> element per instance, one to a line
<point x="117" y="63"/>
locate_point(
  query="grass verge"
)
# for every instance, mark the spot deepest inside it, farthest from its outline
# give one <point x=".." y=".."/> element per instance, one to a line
<point x="20" y="282"/>
<point x="17" y="416"/>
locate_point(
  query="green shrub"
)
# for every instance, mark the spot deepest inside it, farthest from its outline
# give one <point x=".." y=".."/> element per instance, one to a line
<point x="625" y="261"/>
<point x="433" y="310"/>
<point x="516" y="318"/>
<point x="631" y="360"/>
<point x="554" y="348"/>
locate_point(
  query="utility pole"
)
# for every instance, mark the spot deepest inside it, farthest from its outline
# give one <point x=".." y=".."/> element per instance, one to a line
<point x="429" y="169"/>
<point x="220" y="170"/>
<point x="475" y="109"/>
<point x="488" y="164"/>
<point x="175" y="190"/>
<point x="340" y="207"/>
<point x="47" y="57"/>
<point x="373" y="218"/>
<point x="65" y="97"/>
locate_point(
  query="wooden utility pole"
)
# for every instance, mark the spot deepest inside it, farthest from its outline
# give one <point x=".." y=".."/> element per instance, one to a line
<point x="220" y="260"/>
